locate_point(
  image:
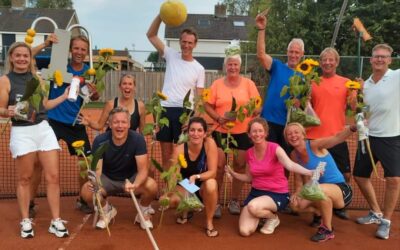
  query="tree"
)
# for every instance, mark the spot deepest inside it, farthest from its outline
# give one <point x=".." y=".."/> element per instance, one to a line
<point x="53" y="4"/>
<point x="5" y="3"/>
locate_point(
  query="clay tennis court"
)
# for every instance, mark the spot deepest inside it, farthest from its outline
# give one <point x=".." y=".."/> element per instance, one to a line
<point x="293" y="232"/>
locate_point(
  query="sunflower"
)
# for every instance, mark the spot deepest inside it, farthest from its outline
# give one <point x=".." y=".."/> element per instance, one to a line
<point x="162" y="96"/>
<point x="304" y="68"/>
<point x="106" y="52"/>
<point x="311" y="62"/>
<point x="353" y="85"/>
<point x="206" y="94"/>
<point x="258" y="102"/>
<point x="182" y="161"/>
<point x="78" y="144"/>
<point x="58" y="78"/>
<point x="230" y="125"/>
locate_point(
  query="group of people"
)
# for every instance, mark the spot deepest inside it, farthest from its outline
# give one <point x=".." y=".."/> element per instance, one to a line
<point x="267" y="147"/>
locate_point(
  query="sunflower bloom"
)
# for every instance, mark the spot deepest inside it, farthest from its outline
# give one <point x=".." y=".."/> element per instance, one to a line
<point x="304" y="68"/>
<point x="58" y="78"/>
<point x="258" y="102"/>
<point x="162" y="96"/>
<point x="106" y="52"/>
<point x="353" y="85"/>
<point x="206" y="94"/>
<point x="91" y="72"/>
<point x="78" y="144"/>
<point x="311" y="62"/>
<point x="230" y="125"/>
<point x="182" y="161"/>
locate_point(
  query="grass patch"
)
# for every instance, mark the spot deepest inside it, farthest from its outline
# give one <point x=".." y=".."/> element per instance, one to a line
<point x="94" y="105"/>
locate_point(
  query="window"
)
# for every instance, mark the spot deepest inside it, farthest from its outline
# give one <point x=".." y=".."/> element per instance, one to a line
<point x="203" y="22"/>
<point x="238" y="23"/>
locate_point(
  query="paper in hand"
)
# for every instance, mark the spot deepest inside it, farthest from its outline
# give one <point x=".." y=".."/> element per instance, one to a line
<point x="190" y="187"/>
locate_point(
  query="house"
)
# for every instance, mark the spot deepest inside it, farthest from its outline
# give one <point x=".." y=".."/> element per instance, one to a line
<point x="121" y="60"/>
<point x="215" y="33"/>
<point x="16" y="20"/>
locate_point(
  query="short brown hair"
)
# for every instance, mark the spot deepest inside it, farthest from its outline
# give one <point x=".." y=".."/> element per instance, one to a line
<point x="189" y="31"/>
<point x="118" y="110"/>
<point x="260" y="120"/>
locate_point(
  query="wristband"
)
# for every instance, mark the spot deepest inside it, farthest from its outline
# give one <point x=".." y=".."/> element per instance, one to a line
<point x="197" y="176"/>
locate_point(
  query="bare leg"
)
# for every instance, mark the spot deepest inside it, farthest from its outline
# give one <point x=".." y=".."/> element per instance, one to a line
<point x="247" y="222"/>
<point x="36" y="179"/>
<point x="209" y="192"/>
<point x="392" y="193"/>
<point x="368" y="191"/>
<point x="24" y="166"/>
<point x="50" y="163"/>
<point x="148" y="192"/>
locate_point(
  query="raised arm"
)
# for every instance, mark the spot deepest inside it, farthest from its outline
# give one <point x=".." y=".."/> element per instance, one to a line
<point x="152" y="35"/>
<point x="265" y="59"/>
<point x="52" y="38"/>
<point x="332" y="141"/>
<point x="289" y="164"/>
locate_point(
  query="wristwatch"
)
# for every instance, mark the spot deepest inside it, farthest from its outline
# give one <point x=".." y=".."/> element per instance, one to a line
<point x="198" y="176"/>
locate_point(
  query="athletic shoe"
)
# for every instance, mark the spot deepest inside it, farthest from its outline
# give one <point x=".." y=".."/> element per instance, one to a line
<point x="316" y="222"/>
<point x="323" y="234"/>
<point x="151" y="210"/>
<point x="109" y="213"/>
<point x="371" y="218"/>
<point x="270" y="225"/>
<point x="341" y="213"/>
<point x="234" y="207"/>
<point x="383" y="229"/>
<point x="26" y="228"/>
<point x="57" y="227"/>
<point x="218" y="212"/>
<point x="83" y="206"/>
<point x="147" y="222"/>
<point x="32" y="209"/>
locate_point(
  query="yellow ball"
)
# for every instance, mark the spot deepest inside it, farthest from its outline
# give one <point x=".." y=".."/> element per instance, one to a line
<point x="91" y="71"/>
<point x="28" y="39"/>
<point x="31" y="32"/>
<point x="173" y="12"/>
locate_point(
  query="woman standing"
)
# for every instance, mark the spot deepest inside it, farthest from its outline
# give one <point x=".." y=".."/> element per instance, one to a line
<point x="309" y="154"/>
<point x="31" y="138"/>
<point x="269" y="186"/>
<point x="201" y="156"/>
<point x="127" y="87"/>
<point x="223" y="90"/>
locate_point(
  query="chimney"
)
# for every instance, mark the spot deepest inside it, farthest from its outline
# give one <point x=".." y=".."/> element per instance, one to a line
<point x="220" y="10"/>
<point x="18" y="4"/>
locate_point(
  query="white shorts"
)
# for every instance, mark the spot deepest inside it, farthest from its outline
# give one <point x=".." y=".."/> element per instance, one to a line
<point x="28" y="139"/>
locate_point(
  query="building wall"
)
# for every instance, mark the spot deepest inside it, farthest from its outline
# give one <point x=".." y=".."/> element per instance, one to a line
<point x="204" y="48"/>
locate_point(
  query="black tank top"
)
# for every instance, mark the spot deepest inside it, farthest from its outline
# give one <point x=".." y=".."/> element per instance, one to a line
<point x="197" y="166"/>
<point x="17" y="90"/>
<point x="135" y="117"/>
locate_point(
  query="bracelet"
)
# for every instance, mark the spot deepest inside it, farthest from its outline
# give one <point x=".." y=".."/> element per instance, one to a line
<point x="260" y="29"/>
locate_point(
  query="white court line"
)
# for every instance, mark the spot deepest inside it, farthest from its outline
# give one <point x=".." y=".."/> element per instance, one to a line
<point x="74" y="234"/>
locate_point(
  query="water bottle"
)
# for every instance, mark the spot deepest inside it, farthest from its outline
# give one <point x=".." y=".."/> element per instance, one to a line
<point x="74" y="89"/>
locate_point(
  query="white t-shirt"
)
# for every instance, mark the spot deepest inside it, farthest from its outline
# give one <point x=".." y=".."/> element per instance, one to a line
<point x="383" y="99"/>
<point x="180" y="76"/>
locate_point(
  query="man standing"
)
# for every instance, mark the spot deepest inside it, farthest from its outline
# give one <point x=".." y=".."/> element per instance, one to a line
<point x="274" y="109"/>
<point x="63" y="116"/>
<point x="124" y="158"/>
<point x="183" y="73"/>
<point x="329" y="100"/>
<point x="382" y="95"/>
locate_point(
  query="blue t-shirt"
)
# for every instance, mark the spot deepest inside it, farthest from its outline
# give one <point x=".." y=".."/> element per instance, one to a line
<point x="331" y="173"/>
<point x="67" y="111"/>
<point x="119" y="161"/>
<point x="274" y="108"/>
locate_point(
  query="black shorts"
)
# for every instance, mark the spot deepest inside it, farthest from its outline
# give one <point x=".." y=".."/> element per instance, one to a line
<point x="347" y="192"/>
<point x="340" y="154"/>
<point x="281" y="200"/>
<point x="275" y="134"/>
<point x="172" y="132"/>
<point x="69" y="134"/>
<point x="384" y="149"/>
<point x="243" y="140"/>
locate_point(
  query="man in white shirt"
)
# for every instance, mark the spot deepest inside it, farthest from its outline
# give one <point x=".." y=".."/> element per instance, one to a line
<point x="183" y="73"/>
<point x="382" y="95"/>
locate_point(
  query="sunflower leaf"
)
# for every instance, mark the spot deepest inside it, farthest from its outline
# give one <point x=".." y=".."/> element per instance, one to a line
<point x="98" y="155"/>
<point x="30" y="88"/>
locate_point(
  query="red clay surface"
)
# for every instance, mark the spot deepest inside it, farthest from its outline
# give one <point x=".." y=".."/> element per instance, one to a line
<point x="292" y="233"/>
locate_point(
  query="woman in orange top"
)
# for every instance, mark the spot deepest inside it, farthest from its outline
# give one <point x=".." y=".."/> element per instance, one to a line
<point x="220" y="102"/>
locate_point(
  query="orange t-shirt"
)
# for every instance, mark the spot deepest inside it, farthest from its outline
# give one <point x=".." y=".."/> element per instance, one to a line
<point x="221" y="98"/>
<point x="329" y="102"/>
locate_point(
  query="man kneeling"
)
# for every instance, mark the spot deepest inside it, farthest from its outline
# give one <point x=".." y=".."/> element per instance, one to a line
<point x="124" y="158"/>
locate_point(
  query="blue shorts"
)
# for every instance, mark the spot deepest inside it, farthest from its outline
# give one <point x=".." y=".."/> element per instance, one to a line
<point x="172" y="132"/>
<point x="281" y="199"/>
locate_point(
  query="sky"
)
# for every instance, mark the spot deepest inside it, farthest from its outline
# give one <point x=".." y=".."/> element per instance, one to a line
<point x="121" y="24"/>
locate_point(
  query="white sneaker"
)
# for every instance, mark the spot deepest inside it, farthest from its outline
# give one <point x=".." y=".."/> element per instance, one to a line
<point x="270" y="226"/>
<point x="147" y="220"/>
<point x="26" y="228"/>
<point x="106" y="218"/>
<point x="151" y="210"/>
<point x="57" y="227"/>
